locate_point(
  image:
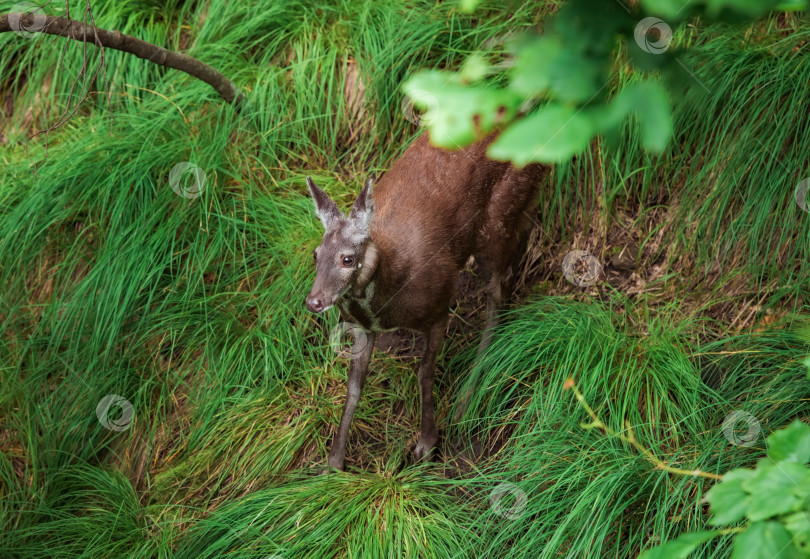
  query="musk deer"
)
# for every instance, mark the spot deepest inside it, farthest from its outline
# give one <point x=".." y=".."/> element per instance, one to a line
<point x="394" y="261"/>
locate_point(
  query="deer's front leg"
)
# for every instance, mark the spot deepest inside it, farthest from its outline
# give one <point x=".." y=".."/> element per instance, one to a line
<point x="428" y="433"/>
<point x="358" y="367"/>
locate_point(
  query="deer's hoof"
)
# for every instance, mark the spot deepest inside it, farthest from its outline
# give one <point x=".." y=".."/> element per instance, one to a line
<point x="423" y="451"/>
<point x="334" y="463"/>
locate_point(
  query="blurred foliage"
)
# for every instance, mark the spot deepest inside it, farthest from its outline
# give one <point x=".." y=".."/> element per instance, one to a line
<point x="564" y="74"/>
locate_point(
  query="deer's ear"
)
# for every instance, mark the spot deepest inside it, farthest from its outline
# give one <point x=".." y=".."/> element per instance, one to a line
<point x="325" y="207"/>
<point x="363" y="207"/>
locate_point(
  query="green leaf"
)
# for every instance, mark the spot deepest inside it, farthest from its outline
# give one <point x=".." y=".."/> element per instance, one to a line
<point x="791" y="444"/>
<point x="458" y="114"/>
<point x="475" y="68"/>
<point x="798" y="524"/>
<point x="728" y="501"/>
<point x="747" y="8"/>
<point x="774" y="489"/>
<point x="649" y="101"/>
<point x="675" y="9"/>
<point x="544" y="65"/>
<point x="552" y="134"/>
<point x="468" y="6"/>
<point x="807" y="364"/>
<point x="680" y="547"/>
<point x="667" y="9"/>
<point x="531" y="74"/>
<point x="575" y="76"/>
<point x="765" y="540"/>
<point x="792" y="6"/>
<point x="589" y="25"/>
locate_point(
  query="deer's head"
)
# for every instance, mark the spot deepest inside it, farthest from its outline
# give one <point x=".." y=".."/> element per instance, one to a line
<point x="346" y="257"/>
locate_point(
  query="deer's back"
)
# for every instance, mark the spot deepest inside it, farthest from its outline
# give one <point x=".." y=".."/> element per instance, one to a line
<point x="432" y="201"/>
<point x="431" y="209"/>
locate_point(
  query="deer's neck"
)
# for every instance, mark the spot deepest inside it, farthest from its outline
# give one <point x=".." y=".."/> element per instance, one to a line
<point x="371" y="260"/>
<point x="360" y="303"/>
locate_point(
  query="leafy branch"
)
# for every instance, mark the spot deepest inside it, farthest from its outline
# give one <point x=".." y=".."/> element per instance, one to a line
<point x="774" y="497"/>
<point x="556" y="97"/>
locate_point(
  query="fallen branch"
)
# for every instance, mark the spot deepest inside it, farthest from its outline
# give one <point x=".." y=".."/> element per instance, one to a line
<point x="79" y="31"/>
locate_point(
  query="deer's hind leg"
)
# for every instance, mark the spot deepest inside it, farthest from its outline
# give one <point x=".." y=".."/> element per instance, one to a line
<point x="501" y="247"/>
<point x="505" y="236"/>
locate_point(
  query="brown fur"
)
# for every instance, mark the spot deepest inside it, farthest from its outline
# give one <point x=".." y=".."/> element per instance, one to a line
<point x="434" y="209"/>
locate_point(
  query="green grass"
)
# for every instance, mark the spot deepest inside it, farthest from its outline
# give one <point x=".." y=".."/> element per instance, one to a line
<point x="192" y="309"/>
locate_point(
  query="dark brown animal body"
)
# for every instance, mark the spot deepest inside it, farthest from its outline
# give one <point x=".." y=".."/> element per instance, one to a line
<point x="394" y="262"/>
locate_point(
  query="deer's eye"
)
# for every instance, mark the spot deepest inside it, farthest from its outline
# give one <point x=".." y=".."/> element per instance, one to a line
<point x="348" y="261"/>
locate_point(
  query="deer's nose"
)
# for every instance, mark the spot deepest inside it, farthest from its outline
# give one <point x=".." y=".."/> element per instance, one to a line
<point x="315" y="304"/>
